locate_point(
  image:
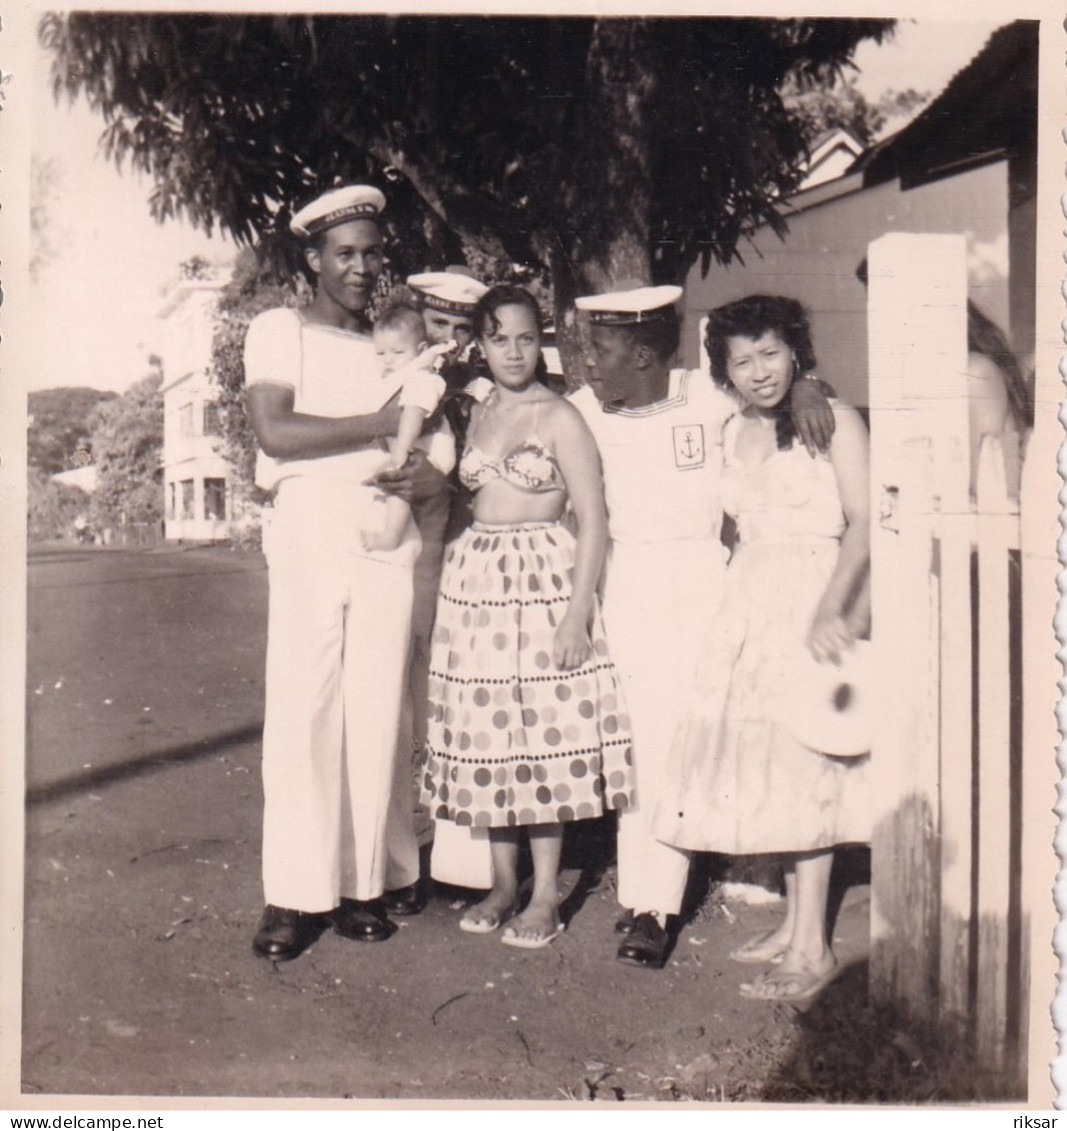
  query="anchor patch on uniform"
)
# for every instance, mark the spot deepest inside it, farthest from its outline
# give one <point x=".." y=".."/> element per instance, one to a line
<point x="688" y="445"/>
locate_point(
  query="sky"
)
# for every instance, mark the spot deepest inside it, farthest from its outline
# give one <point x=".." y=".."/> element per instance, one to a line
<point x="114" y="263"/>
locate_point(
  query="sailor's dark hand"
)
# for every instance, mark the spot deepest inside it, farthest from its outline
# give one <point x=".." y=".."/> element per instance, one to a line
<point x="812" y="415"/>
<point x="417" y="480"/>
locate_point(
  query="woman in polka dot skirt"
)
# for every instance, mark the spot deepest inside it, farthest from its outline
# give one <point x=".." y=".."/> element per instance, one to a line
<point x="527" y="730"/>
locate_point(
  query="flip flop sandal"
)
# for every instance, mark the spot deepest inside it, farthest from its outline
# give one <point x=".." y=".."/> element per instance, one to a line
<point x="510" y="938"/>
<point x="808" y="987"/>
<point x="486" y="925"/>
<point x="747" y="951"/>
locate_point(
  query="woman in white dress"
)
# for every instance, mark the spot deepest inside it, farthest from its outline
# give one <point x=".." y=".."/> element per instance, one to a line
<point x="798" y="581"/>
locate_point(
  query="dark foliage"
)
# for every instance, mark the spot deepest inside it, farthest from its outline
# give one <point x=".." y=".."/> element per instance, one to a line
<point x="127" y="441"/>
<point x="58" y="427"/>
<point x="51" y="507"/>
<point x="255" y="287"/>
<point x="602" y="148"/>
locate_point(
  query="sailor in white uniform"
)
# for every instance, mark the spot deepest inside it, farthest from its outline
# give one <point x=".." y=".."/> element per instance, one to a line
<point x="447" y="299"/>
<point x="339" y="616"/>
<point x="659" y="432"/>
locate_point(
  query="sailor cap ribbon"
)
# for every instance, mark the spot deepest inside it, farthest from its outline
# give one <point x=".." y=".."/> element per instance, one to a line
<point x="627" y="308"/>
<point x="447" y="291"/>
<point x="352" y="202"/>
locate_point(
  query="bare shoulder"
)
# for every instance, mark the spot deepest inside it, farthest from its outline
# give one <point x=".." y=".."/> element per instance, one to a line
<point x="850" y="446"/>
<point x="847" y="419"/>
<point x="560" y="417"/>
<point x="557" y="412"/>
<point x="564" y="429"/>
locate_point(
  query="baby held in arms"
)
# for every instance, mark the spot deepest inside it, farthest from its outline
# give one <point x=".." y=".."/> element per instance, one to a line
<point x="400" y="342"/>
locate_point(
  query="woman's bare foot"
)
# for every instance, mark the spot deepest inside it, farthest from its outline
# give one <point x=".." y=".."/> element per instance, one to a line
<point x="493" y="911"/>
<point x="537" y="926"/>
<point x="795" y="978"/>
<point x="770" y="947"/>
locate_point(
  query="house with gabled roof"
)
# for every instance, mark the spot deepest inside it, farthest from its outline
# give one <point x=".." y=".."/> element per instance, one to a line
<point x="951" y="170"/>
<point x="833" y="152"/>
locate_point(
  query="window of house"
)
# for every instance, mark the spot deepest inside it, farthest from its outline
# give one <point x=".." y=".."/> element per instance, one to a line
<point x="185" y="420"/>
<point x="214" y="498"/>
<point x="188" y="499"/>
<point x="172" y="499"/>
<point x="212" y="424"/>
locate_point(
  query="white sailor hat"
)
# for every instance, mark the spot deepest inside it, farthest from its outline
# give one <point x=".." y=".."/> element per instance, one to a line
<point x="447" y="290"/>
<point x="627" y="308"/>
<point x="352" y="202"/>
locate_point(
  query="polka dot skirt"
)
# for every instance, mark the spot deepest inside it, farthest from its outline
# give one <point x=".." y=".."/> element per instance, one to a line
<point x="511" y="739"/>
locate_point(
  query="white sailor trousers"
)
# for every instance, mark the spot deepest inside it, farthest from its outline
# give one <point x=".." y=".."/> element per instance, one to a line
<point x="660" y="600"/>
<point x="337" y="646"/>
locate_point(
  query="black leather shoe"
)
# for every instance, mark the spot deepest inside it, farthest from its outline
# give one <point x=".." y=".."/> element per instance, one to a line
<point x="624" y="925"/>
<point x="646" y="945"/>
<point x="363" y="920"/>
<point x="404" y="901"/>
<point x="284" y="933"/>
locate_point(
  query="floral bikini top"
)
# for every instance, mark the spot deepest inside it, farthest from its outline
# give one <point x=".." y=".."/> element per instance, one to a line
<point x="530" y="466"/>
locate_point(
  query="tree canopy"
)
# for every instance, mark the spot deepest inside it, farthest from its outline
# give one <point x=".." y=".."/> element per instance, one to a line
<point x="59" y="426"/>
<point x="51" y="507"/>
<point x="127" y="440"/>
<point x="607" y="150"/>
<point x="252" y="289"/>
<point x="821" y="108"/>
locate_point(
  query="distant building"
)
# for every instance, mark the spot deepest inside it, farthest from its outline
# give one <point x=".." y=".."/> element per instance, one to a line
<point x="832" y="153"/>
<point x="197" y="480"/>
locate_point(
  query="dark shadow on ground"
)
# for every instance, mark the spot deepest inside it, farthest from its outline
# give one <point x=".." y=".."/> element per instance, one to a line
<point x="589" y="847"/>
<point x="149" y="763"/>
<point x="129" y="579"/>
<point x="848" y="1050"/>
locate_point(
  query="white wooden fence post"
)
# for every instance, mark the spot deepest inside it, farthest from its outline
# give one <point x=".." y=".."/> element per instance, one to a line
<point x="917" y="335"/>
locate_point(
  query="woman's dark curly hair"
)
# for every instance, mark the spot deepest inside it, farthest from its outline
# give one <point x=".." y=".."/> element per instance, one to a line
<point x="485" y="322"/>
<point x="751" y="318"/>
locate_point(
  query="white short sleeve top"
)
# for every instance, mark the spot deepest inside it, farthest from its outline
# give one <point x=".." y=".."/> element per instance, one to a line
<point x="662" y="462"/>
<point x="332" y="372"/>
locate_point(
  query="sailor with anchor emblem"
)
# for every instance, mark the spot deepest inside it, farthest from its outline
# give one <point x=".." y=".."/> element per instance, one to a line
<point x="659" y="432"/>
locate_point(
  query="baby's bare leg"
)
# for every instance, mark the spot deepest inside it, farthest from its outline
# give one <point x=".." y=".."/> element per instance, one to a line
<point x="397" y="513"/>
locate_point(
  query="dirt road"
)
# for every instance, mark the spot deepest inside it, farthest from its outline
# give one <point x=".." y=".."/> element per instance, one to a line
<point x="142" y="895"/>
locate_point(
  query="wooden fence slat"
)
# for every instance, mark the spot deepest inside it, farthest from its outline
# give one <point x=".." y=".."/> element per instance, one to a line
<point x="956" y="540"/>
<point x="955" y="531"/>
<point x="995" y="520"/>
